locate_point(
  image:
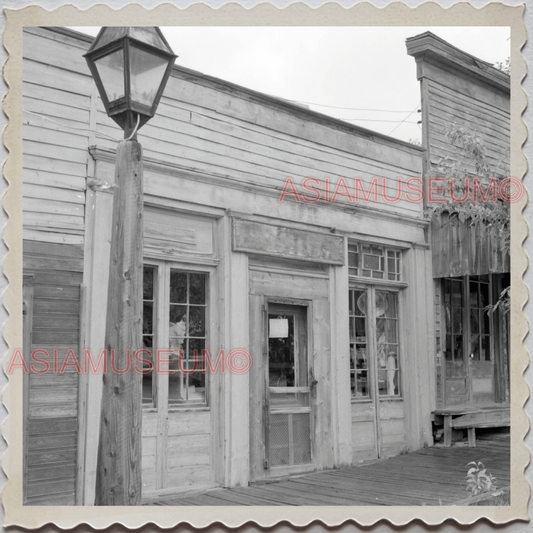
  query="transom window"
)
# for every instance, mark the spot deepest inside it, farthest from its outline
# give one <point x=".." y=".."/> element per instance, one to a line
<point x="371" y="261"/>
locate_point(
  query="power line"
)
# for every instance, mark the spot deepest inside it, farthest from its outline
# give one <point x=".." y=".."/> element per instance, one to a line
<point x="380" y="120"/>
<point x="354" y="108"/>
<point x="98" y="133"/>
<point x="403" y="120"/>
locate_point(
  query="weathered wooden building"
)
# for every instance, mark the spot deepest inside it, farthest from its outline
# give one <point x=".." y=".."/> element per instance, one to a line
<point x="471" y="262"/>
<point x="254" y="240"/>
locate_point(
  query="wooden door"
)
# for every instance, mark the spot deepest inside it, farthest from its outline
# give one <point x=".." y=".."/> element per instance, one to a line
<point x="288" y="404"/>
<point x="468" y="341"/>
<point x="375" y="366"/>
<point x="176" y="416"/>
<point x="480" y="350"/>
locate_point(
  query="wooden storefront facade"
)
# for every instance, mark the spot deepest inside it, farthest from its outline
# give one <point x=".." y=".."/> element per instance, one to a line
<point x="471" y="262"/>
<point x="332" y="299"/>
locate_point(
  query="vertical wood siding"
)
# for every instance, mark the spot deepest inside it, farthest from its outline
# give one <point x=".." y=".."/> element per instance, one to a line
<point x="52" y="422"/>
<point x="459" y="248"/>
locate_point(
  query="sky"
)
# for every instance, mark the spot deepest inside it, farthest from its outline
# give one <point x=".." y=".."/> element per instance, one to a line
<point x="359" y="74"/>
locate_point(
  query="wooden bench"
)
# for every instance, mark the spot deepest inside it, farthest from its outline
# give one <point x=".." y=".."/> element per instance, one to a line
<point x="470" y="418"/>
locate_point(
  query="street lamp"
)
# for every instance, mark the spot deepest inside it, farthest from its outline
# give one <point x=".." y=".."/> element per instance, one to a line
<point x="130" y="67"/>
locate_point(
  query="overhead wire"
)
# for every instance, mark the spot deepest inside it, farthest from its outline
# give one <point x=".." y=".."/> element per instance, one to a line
<point x="380" y="120"/>
<point x="98" y="133"/>
<point x="354" y="108"/>
<point x="417" y="107"/>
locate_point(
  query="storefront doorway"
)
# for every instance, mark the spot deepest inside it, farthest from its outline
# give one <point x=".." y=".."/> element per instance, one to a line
<point x="288" y="421"/>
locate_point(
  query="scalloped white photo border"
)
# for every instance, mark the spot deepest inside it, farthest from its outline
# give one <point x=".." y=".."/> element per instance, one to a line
<point x="396" y="14"/>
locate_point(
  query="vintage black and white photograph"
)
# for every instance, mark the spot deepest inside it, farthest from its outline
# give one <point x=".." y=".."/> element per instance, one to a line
<point x="266" y="266"/>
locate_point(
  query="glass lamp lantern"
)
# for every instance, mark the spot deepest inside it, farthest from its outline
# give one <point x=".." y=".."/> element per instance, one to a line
<point x="131" y="66"/>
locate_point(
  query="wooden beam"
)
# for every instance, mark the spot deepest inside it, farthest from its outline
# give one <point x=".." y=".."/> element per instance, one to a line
<point x="118" y="479"/>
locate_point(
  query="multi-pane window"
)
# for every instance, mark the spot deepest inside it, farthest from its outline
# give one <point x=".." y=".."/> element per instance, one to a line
<point x="149" y="305"/>
<point x="374" y="363"/>
<point x="386" y="313"/>
<point x="373" y="261"/>
<point x="465" y="299"/>
<point x="187" y="336"/>
<point x="359" y="376"/>
<point x="174" y="308"/>
<point x="453" y="319"/>
<point x="479" y="319"/>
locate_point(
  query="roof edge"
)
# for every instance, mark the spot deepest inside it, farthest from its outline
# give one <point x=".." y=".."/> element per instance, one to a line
<point x="432" y="48"/>
<point x="288" y="106"/>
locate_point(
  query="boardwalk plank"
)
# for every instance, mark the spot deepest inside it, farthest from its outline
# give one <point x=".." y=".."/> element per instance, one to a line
<point x="431" y="476"/>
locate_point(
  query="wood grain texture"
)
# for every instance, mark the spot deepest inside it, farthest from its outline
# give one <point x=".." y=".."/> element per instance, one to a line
<point x="56" y="100"/>
<point x="431" y="476"/>
<point x="51" y="403"/>
<point x="118" y="479"/>
<point x="286" y="242"/>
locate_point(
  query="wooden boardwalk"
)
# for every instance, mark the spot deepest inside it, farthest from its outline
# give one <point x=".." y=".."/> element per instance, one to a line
<point x="431" y="476"/>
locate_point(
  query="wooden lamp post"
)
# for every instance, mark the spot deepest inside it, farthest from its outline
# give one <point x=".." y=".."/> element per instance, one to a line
<point x="130" y="67"/>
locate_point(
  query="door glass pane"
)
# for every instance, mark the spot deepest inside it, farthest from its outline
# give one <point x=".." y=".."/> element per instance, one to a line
<point x="359" y="373"/>
<point x="474" y="321"/>
<point x="149" y="276"/>
<point x="485" y="348"/>
<point x="474" y="348"/>
<point x="281" y="361"/>
<point x="453" y="319"/>
<point x="187" y="337"/>
<point x="386" y="315"/>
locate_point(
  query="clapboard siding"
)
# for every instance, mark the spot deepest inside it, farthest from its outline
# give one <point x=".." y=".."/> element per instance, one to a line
<point x="56" y="48"/>
<point x="251" y="163"/>
<point x="53" y="394"/>
<point x="466" y="104"/>
<point x="461" y="90"/>
<point x="56" y="103"/>
<point x="203" y="124"/>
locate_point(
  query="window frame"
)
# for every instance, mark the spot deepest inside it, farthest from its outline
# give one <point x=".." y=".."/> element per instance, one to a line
<point x="160" y="388"/>
<point x="398" y="258"/>
<point x="371" y="343"/>
<point x="465" y="318"/>
<point x="371" y="284"/>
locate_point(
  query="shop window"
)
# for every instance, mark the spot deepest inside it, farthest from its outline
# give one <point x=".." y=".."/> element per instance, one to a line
<point x="374" y="362"/>
<point x="174" y="317"/>
<point x="187" y="336"/>
<point x="371" y="261"/>
<point x="466" y="322"/>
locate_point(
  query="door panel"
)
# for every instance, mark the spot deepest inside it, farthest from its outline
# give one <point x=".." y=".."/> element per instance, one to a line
<point x="375" y="367"/>
<point x="468" y="341"/>
<point x="288" y="417"/>
<point x="176" y="442"/>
